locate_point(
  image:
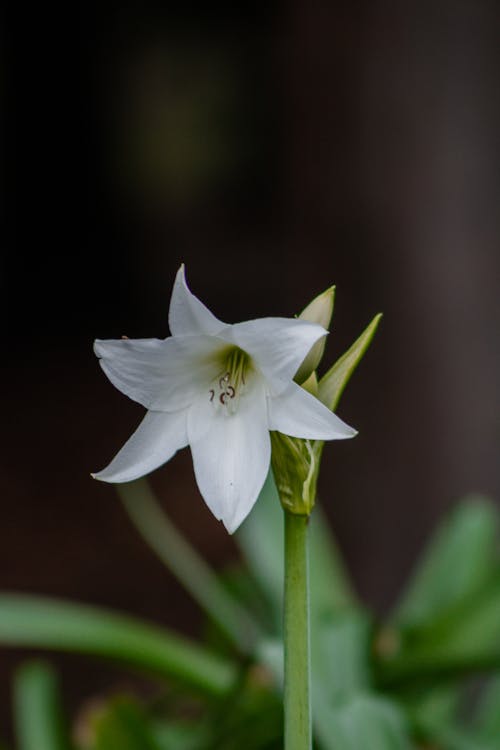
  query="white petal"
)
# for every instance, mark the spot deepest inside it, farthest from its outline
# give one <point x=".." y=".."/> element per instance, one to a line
<point x="187" y="315"/>
<point x="277" y="345"/>
<point x="154" y="442"/>
<point x="231" y="454"/>
<point x="162" y="375"/>
<point x="295" y="412"/>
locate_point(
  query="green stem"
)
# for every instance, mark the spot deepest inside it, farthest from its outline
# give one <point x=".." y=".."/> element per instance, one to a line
<point x="298" y="735"/>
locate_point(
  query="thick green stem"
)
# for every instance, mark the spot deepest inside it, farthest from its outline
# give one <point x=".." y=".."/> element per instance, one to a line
<point x="298" y="735"/>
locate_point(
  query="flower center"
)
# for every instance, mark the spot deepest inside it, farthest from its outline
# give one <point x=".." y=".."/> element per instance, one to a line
<point x="227" y="389"/>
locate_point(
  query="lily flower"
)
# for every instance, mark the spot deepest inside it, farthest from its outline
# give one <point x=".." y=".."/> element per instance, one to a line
<point x="220" y="389"/>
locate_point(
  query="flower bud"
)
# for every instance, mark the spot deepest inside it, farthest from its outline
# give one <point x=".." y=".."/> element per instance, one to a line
<point x="295" y="464"/>
<point x="319" y="311"/>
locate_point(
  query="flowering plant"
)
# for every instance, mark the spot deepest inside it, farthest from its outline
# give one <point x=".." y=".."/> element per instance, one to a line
<point x="399" y="684"/>
<point x="219" y="388"/>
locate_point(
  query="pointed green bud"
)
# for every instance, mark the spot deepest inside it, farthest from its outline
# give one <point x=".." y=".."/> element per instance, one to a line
<point x="320" y="311"/>
<point x="335" y="380"/>
<point x="295" y="461"/>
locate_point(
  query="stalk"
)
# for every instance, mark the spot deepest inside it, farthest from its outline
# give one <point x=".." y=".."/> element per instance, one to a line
<point x="297" y="702"/>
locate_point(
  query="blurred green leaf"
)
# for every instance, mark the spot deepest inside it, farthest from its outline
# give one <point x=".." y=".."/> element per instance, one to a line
<point x="38" y="622"/>
<point x="340" y="653"/>
<point x="252" y="717"/>
<point x="181" y="735"/>
<point x="260" y="539"/>
<point x="488" y="718"/>
<point x="431" y="709"/>
<point x="364" y="721"/>
<point x="465" y="639"/>
<point x="123" y="725"/>
<point x="331" y="590"/>
<point x="458" y="560"/>
<point x="38" y="713"/>
<point x="190" y="569"/>
<point x="454" y="738"/>
<point x="332" y="384"/>
<point x="347" y="716"/>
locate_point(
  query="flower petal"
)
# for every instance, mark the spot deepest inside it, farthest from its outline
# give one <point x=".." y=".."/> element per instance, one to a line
<point x="231" y="454"/>
<point x="277" y="345"/>
<point x="187" y="315"/>
<point x="162" y="375"/>
<point x="154" y="442"/>
<point x="298" y="414"/>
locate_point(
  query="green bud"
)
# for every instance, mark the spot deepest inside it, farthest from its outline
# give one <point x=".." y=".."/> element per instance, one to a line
<point x="332" y="384"/>
<point x="295" y="464"/>
<point x="296" y="461"/>
<point x="320" y="311"/>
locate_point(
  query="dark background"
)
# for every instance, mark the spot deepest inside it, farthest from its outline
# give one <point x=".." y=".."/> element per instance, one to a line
<point x="275" y="150"/>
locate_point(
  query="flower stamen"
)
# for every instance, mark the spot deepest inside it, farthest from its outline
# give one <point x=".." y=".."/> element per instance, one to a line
<point x="230" y="386"/>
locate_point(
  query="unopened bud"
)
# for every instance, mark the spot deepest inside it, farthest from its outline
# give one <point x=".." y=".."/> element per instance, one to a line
<point x="320" y="311"/>
<point x="295" y="464"/>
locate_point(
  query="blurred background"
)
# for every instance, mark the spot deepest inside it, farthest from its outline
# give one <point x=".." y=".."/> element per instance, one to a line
<point x="276" y="149"/>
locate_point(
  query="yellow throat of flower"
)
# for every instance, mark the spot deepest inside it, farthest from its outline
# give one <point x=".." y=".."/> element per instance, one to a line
<point x="227" y="389"/>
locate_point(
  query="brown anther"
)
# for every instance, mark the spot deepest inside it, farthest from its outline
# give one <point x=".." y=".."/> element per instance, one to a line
<point x="230" y="391"/>
<point x="223" y="380"/>
<point x="212" y="394"/>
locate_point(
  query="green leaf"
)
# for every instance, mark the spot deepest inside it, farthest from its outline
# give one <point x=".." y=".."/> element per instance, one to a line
<point x="38" y="622"/>
<point x="252" y="719"/>
<point x="332" y="384"/>
<point x="364" y="721"/>
<point x="331" y="590"/>
<point x="260" y="539"/>
<point x="454" y="738"/>
<point x="38" y="714"/>
<point x="431" y="709"/>
<point x="181" y="735"/>
<point x="488" y="718"/>
<point x="340" y="653"/>
<point x="464" y="640"/>
<point x="123" y="725"/>
<point x="341" y="684"/>
<point x="459" y="559"/>
<point x="190" y="569"/>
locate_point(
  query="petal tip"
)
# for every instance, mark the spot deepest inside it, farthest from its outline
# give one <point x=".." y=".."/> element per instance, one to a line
<point x="232" y="524"/>
<point x="181" y="274"/>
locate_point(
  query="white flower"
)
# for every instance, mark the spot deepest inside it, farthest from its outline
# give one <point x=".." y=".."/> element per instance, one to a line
<point x="219" y="388"/>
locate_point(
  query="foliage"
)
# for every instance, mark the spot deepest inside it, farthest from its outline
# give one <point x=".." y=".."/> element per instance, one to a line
<point x="401" y="684"/>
